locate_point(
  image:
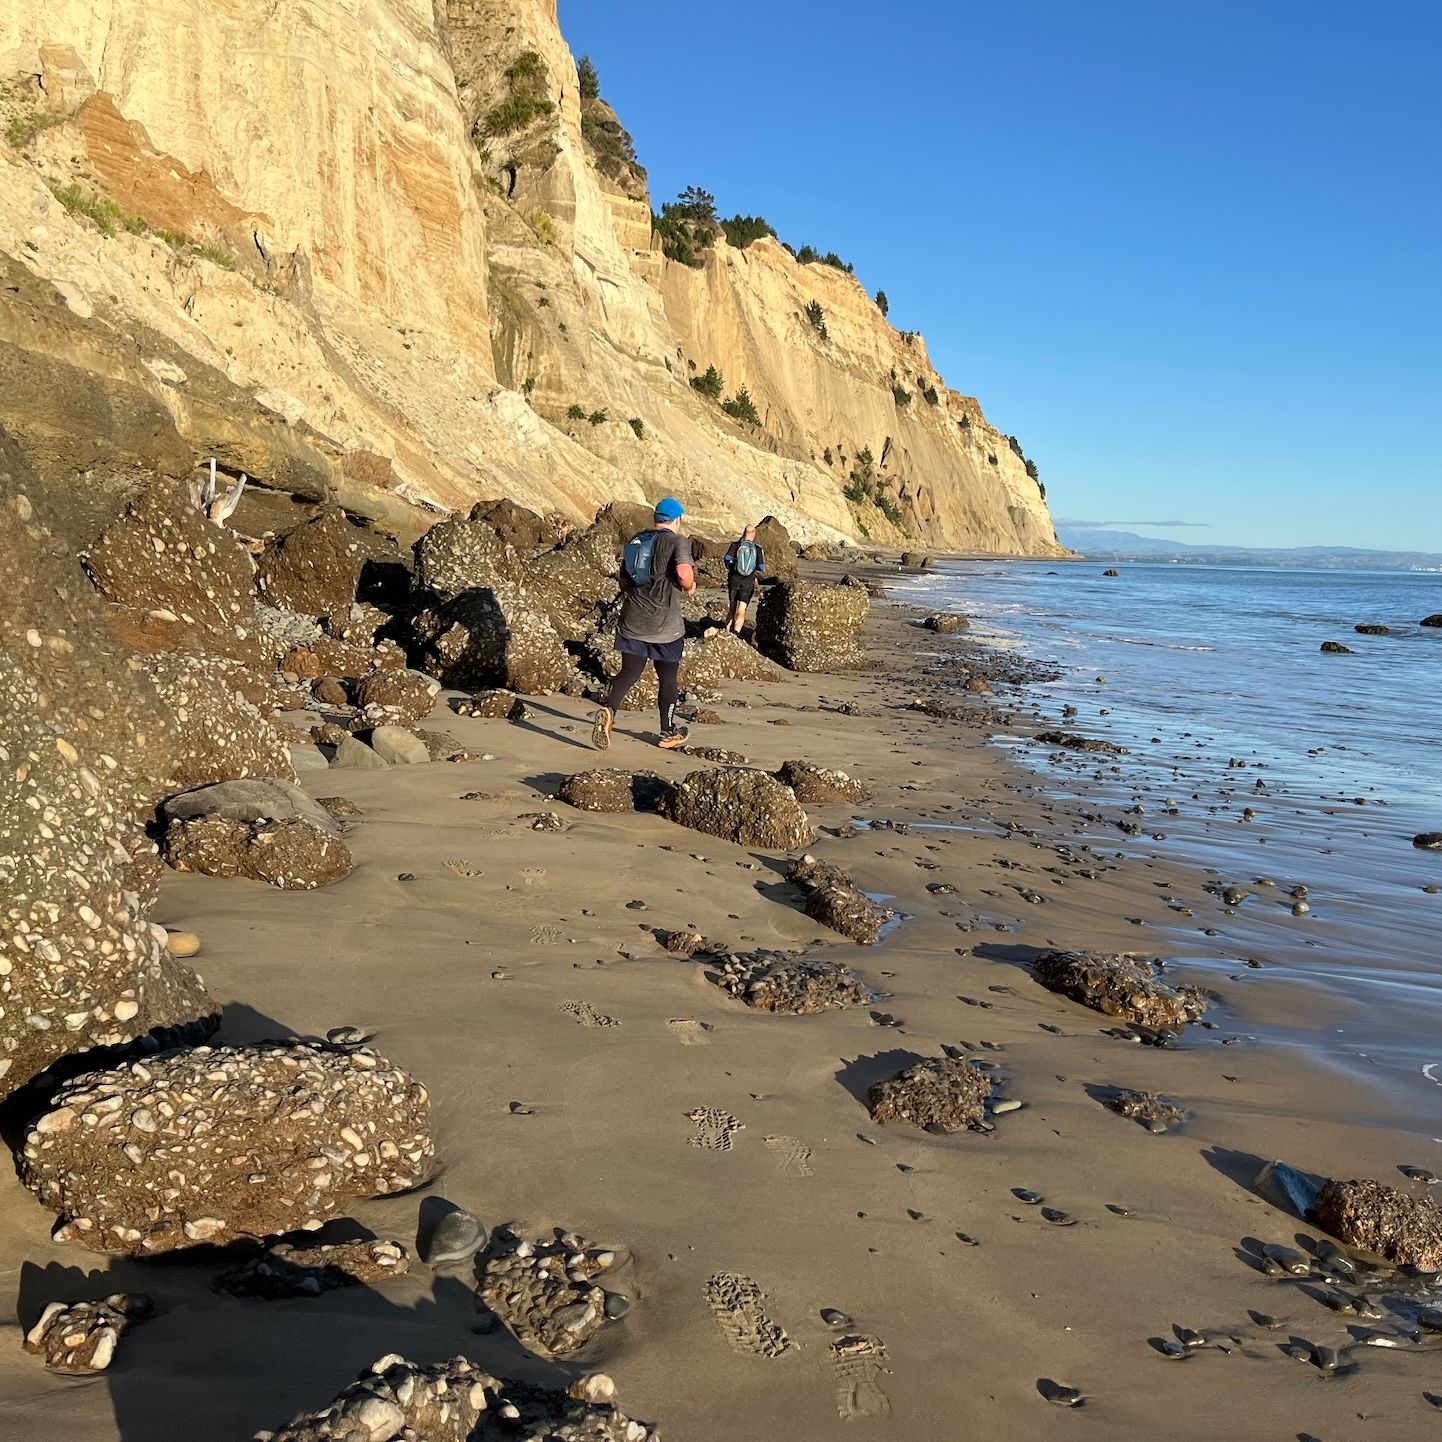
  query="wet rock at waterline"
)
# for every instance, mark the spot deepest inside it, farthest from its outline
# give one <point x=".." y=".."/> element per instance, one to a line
<point x="833" y="899"/>
<point x="945" y="624"/>
<point x="1336" y="648"/>
<point x="1070" y="741"/>
<point x="456" y="1401"/>
<point x="941" y="1094"/>
<point x="1434" y="620"/>
<point x="1122" y="986"/>
<point x="1428" y="841"/>
<point x="224" y="1143"/>
<point x="1365" y="628"/>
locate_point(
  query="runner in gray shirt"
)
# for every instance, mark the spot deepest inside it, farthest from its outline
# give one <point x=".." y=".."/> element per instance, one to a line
<point x="656" y="575"/>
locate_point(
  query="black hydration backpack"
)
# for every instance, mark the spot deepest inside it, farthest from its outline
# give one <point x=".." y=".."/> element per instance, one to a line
<point x="744" y="562"/>
<point x="638" y="556"/>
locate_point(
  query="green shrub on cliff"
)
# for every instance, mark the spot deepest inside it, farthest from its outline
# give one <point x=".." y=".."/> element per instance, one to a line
<point x="742" y="408"/>
<point x="711" y="384"/>
<point x="687" y="226"/>
<point x="590" y="80"/>
<point x="900" y="394"/>
<point x="575" y="412"/>
<point x="526" y="81"/>
<point x="817" y="316"/>
<point x="742" y="230"/>
<point x="882" y="304"/>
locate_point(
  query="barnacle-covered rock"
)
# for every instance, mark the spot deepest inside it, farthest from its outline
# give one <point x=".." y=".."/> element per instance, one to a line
<point x="808" y="626"/>
<point x="750" y="808"/>
<point x="291" y="855"/>
<point x="941" y="1094"/>
<point x="793" y="985"/>
<point x="1124" y="986"/>
<point x="833" y="899"/>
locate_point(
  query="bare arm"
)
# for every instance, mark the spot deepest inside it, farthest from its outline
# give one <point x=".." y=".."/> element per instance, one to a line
<point x="686" y="577"/>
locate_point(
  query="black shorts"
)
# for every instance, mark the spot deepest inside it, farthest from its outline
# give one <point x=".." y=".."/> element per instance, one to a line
<point x="740" y="588"/>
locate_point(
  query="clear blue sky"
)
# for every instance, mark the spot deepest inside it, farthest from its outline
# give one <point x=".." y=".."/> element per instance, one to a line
<point x="1191" y="255"/>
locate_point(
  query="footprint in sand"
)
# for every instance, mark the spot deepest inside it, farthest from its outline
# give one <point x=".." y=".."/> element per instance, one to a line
<point x="859" y="1371"/>
<point x="737" y="1304"/>
<point x="792" y="1156"/>
<point x="533" y="875"/>
<point x="545" y="935"/>
<point x="714" y="1129"/>
<point x="587" y="1014"/>
<point x="688" y="1031"/>
<point x="462" y="867"/>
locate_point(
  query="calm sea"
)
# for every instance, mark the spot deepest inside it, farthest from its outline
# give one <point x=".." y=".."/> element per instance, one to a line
<point x="1197" y="669"/>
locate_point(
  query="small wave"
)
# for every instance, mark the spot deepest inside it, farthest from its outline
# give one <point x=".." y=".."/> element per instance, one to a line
<point x="1160" y="645"/>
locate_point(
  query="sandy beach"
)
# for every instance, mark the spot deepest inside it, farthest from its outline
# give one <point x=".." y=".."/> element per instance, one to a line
<point x="583" y="1077"/>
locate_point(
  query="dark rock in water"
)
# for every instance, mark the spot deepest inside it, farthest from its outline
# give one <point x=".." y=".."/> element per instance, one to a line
<point x="915" y="561"/>
<point x="806" y="626"/>
<point x="546" y="1291"/>
<point x="944" y="624"/>
<point x="458" y="1402"/>
<point x="615" y="791"/>
<point x="1428" y="841"/>
<point x="819" y="786"/>
<point x="81" y="1337"/>
<point x="1365" y="628"/>
<point x="286" y="1270"/>
<point x="1434" y="620"/>
<point x="1288" y="1189"/>
<point x="1121" y="986"/>
<point x="942" y="1093"/>
<point x="1336" y="648"/>
<point x="250" y="800"/>
<point x="1380" y="1219"/>
<point x="749" y="808"/>
<point x="1111" y="573"/>
<point x="405" y="696"/>
<point x="216" y="1145"/>
<point x="794" y="986"/>
<point x="1153" y="1112"/>
<point x="316" y="568"/>
<point x="833" y="899"/>
<point x="1070" y="741"/>
<point x="292" y="855"/>
<point x="457" y="1235"/>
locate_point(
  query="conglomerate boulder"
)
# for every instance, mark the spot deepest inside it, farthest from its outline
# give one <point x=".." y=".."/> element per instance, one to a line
<point x="219" y="1144"/>
<point x="747" y="807"/>
<point x="408" y="695"/>
<point x="1382" y="1220"/>
<point x="791" y="985"/>
<point x="316" y="567"/>
<point x="459" y="556"/>
<point x="84" y="743"/>
<point x="941" y="1094"/>
<point x="833" y="899"/>
<point x="613" y="791"/>
<point x="291" y="855"/>
<point x="808" y="626"/>
<point x="488" y="637"/>
<point x="1123" y="986"/>
<point x="775" y="541"/>
<point x="819" y="785"/>
<point x="456" y="1401"/>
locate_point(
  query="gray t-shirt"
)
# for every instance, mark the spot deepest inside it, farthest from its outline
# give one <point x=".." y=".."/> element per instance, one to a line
<point x="653" y="612"/>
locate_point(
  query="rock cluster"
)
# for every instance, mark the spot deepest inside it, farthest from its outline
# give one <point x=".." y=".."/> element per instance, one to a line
<point x="808" y="626"/>
<point x="820" y="786"/>
<point x="941" y="1094"/>
<point x="1070" y="741"/>
<point x="546" y="1291"/>
<point x="749" y="808"/>
<point x="291" y="855"/>
<point x="219" y="1144"/>
<point x="1384" y="1221"/>
<point x="287" y="1270"/>
<point x="455" y="1401"/>
<point x="81" y="1337"/>
<point x="795" y="986"/>
<point x="617" y="791"/>
<point x="833" y="899"/>
<point x="1121" y="986"/>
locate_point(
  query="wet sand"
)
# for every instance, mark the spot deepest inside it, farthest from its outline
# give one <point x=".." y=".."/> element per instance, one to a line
<point x="513" y="969"/>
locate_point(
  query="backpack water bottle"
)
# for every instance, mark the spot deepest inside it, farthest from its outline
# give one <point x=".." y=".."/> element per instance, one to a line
<point x="744" y="563"/>
<point x="637" y="558"/>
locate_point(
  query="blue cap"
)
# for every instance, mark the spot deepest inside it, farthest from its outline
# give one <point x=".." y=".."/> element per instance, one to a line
<point x="670" y="509"/>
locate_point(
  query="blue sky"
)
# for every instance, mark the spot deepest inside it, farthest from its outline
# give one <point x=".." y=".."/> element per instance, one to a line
<point x="1191" y="255"/>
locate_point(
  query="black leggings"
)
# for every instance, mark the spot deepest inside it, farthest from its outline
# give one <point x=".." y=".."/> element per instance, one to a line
<point x="668" y="674"/>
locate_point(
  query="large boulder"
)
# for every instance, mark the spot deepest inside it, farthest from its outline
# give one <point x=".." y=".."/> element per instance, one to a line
<point x="291" y="855"/>
<point x="1384" y="1221"/>
<point x="459" y="556"/>
<point x="819" y="785"/>
<point x="489" y="637"/>
<point x="807" y="626"/>
<point x="776" y="542"/>
<point x="791" y="985"/>
<point x="519" y="528"/>
<point x="407" y="696"/>
<point x="220" y="1144"/>
<point x="84" y="743"/>
<point x="316" y="568"/>
<point x="941" y="1094"/>
<point x="260" y="800"/>
<point x="747" y="807"/>
<point x="456" y="1401"/>
<point x="217" y="735"/>
<point x="1121" y="986"/>
<point x="161" y="554"/>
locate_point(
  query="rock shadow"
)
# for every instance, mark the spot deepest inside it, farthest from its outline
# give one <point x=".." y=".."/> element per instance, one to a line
<point x="858" y="1076"/>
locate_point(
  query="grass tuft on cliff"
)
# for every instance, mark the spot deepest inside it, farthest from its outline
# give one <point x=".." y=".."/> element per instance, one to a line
<point x="528" y="100"/>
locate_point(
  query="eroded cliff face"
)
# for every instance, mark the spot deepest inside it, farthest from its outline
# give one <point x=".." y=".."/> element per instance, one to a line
<point x="382" y="251"/>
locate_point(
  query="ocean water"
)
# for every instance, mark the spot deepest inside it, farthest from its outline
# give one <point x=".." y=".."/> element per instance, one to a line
<point x="1214" y="680"/>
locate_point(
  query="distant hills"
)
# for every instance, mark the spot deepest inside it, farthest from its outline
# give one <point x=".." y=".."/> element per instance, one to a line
<point x="1099" y="544"/>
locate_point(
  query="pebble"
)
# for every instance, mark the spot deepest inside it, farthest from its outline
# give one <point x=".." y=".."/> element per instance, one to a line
<point x="182" y="943"/>
<point x="834" y="1318"/>
<point x="458" y="1235"/>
